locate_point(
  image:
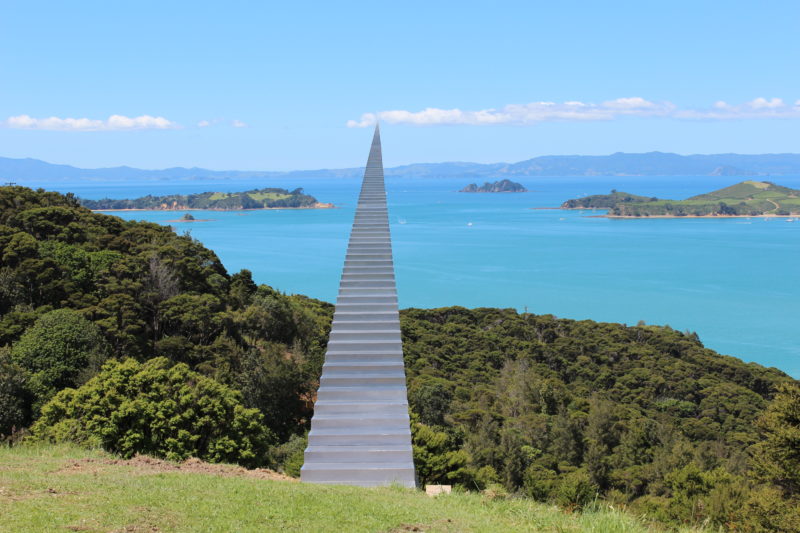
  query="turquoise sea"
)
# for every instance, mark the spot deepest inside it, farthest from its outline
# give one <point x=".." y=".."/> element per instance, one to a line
<point x="736" y="282"/>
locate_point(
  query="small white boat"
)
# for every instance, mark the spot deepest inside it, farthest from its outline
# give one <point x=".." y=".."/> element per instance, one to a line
<point x="469" y="223"/>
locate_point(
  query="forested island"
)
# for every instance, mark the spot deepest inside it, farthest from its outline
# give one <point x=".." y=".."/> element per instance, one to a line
<point x="127" y="336"/>
<point x="497" y="186"/>
<point x="268" y="198"/>
<point x="745" y="199"/>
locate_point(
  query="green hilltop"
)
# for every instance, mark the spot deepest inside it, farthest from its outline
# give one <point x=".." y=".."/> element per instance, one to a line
<point x="748" y="198"/>
<point x="224" y="201"/>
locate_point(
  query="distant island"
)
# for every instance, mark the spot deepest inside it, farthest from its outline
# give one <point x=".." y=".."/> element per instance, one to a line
<point x="188" y="217"/>
<point x="619" y="164"/>
<point x="748" y="198"/>
<point x="497" y="186"/>
<point x="270" y="198"/>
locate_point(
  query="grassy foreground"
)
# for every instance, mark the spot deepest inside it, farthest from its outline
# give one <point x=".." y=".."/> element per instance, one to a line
<point x="64" y="488"/>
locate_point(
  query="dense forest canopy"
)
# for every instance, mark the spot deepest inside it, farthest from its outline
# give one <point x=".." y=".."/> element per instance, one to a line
<point x="126" y="319"/>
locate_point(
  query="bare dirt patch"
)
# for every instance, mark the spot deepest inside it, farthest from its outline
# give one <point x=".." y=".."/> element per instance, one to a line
<point x="145" y="465"/>
<point x="12" y="495"/>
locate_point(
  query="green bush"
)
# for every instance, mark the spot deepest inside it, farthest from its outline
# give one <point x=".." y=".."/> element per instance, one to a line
<point x="157" y="409"/>
<point x="289" y="456"/>
<point x="539" y="482"/>
<point x="576" y="490"/>
<point x="61" y="349"/>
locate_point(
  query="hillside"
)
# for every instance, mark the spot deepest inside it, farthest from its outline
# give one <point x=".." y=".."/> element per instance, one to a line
<point x="134" y="324"/>
<point x="268" y="198"/>
<point x="64" y="488"/>
<point x="748" y="198"/>
<point x="619" y="164"/>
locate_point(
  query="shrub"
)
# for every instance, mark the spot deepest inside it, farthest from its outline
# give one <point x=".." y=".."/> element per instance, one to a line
<point x="61" y="349"/>
<point x="539" y="482"/>
<point x="576" y="490"/>
<point x="288" y="457"/>
<point x="157" y="409"/>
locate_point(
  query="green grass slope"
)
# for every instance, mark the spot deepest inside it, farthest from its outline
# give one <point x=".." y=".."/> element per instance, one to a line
<point x="63" y="488"/>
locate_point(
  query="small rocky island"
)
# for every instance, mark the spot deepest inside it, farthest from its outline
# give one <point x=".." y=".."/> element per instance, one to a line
<point x="745" y="199"/>
<point x="268" y="198"/>
<point x="188" y="217"/>
<point x="497" y="186"/>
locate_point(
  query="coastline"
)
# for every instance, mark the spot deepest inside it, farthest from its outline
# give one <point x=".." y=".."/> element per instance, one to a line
<point x="318" y="205"/>
<point x="634" y="217"/>
<point x="696" y="216"/>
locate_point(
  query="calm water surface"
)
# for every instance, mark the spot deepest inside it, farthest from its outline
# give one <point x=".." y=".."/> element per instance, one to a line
<point x="735" y="282"/>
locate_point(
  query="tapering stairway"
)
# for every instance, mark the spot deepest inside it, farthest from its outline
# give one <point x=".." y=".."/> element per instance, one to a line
<point x="360" y="432"/>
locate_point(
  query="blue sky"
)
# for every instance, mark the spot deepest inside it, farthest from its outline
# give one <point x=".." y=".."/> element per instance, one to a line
<point x="273" y="85"/>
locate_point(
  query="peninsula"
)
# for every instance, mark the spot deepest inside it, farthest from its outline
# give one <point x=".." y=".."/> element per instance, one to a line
<point x="497" y="186"/>
<point x="745" y="199"/>
<point x="269" y="198"/>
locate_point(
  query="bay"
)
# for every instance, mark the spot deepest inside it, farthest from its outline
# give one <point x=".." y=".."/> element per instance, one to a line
<point x="735" y="282"/>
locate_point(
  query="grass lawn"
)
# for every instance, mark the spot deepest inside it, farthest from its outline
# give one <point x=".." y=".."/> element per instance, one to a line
<point x="65" y="488"/>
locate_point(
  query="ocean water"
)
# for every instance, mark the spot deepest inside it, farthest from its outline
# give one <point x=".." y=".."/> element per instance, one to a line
<point x="736" y="282"/>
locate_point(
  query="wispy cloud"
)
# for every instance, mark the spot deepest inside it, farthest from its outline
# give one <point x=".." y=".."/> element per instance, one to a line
<point x="114" y="122"/>
<point x="238" y="124"/>
<point x="525" y="114"/>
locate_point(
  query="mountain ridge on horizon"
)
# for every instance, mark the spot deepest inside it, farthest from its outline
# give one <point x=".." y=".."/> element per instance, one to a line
<point x="616" y="164"/>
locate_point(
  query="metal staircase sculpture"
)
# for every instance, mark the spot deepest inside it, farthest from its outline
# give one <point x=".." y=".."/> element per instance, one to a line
<point x="360" y="431"/>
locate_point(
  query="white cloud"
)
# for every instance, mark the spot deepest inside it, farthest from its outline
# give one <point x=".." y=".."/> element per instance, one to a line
<point x="238" y="124"/>
<point x="532" y="113"/>
<point x="203" y="124"/>
<point x="763" y="103"/>
<point x="114" y="122"/>
<point x="756" y="108"/>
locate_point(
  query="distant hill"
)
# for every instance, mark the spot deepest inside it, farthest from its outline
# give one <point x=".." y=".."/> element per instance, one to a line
<point x="497" y="186"/>
<point x="223" y="201"/>
<point x="618" y="164"/>
<point x="748" y="198"/>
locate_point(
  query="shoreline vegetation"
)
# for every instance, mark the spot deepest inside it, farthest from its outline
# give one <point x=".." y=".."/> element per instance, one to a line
<point x="266" y="198"/>
<point x="744" y="200"/>
<point x="317" y="205"/>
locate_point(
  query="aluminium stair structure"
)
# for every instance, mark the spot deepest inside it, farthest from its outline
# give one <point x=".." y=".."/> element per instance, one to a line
<point x="360" y="431"/>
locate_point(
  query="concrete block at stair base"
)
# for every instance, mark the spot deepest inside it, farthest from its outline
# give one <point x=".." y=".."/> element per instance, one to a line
<point x="435" y="490"/>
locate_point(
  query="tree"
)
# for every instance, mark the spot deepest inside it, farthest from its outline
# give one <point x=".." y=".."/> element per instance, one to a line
<point x="159" y="409"/>
<point x="777" y="456"/>
<point x="61" y="349"/>
<point x="15" y="398"/>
